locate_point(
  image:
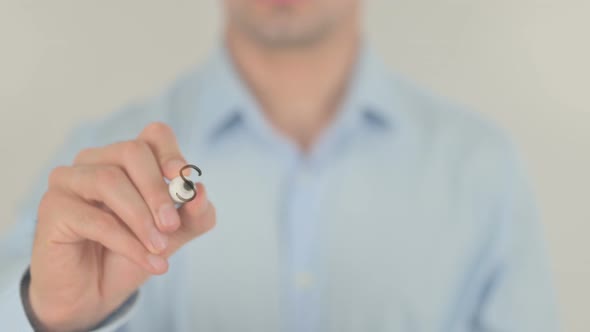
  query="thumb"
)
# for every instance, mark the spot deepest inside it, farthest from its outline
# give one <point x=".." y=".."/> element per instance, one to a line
<point x="197" y="217"/>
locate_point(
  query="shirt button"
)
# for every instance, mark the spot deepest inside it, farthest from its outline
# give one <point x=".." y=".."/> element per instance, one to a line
<point x="304" y="280"/>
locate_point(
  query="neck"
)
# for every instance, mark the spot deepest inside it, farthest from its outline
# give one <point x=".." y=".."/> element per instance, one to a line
<point x="299" y="89"/>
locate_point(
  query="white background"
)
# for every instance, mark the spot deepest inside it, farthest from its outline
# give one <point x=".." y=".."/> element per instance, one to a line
<point x="524" y="63"/>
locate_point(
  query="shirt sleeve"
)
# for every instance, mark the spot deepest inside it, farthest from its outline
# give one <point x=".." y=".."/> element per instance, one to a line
<point x="517" y="293"/>
<point x="12" y="312"/>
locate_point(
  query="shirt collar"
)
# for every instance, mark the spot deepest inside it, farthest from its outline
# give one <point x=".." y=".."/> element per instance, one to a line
<point x="224" y="101"/>
<point x="369" y="99"/>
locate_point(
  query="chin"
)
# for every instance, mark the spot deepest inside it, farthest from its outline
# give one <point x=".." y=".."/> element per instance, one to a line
<point x="286" y="27"/>
<point x="289" y="23"/>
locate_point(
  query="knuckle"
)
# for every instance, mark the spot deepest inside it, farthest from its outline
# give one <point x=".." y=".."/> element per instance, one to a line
<point x="56" y="175"/>
<point x="83" y="155"/>
<point x="133" y="150"/>
<point x="109" y="177"/>
<point x="49" y="201"/>
<point x="45" y="204"/>
<point x="157" y="129"/>
<point x="139" y="217"/>
<point x="102" y="225"/>
<point x="96" y="226"/>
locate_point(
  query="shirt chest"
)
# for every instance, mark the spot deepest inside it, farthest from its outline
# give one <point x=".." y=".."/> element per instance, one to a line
<point x="377" y="233"/>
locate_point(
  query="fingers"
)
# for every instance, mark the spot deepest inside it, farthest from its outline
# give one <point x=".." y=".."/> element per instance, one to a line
<point x="139" y="163"/>
<point x="145" y="161"/>
<point x="110" y="186"/>
<point x="81" y="221"/>
<point x="162" y="141"/>
<point x="198" y="217"/>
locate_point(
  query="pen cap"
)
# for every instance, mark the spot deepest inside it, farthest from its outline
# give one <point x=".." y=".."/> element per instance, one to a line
<point x="180" y="191"/>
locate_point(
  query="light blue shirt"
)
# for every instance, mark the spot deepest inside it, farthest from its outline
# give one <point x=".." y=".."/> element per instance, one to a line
<point x="409" y="214"/>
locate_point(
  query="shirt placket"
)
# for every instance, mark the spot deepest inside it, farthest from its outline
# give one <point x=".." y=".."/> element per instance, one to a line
<point x="301" y="234"/>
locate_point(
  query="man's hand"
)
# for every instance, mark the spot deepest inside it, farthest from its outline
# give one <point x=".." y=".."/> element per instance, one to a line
<point x="105" y="225"/>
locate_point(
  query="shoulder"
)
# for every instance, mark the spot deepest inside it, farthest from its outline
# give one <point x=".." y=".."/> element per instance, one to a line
<point x="439" y="117"/>
<point x="453" y="136"/>
<point x="123" y="124"/>
<point x="128" y="121"/>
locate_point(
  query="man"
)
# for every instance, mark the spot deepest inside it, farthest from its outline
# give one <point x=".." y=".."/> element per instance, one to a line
<point x="346" y="200"/>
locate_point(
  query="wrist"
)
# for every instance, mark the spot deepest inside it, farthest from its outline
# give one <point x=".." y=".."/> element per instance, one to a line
<point x="26" y="302"/>
<point x="46" y="316"/>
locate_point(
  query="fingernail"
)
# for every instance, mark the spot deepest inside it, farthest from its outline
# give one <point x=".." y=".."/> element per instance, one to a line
<point x="157" y="262"/>
<point x="168" y="216"/>
<point x="174" y="166"/>
<point x="159" y="241"/>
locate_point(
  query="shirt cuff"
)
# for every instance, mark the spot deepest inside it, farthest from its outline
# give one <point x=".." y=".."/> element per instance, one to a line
<point x="120" y="317"/>
<point x="13" y="312"/>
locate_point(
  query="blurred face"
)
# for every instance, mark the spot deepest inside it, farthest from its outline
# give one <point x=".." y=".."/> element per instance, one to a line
<point x="290" y="23"/>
